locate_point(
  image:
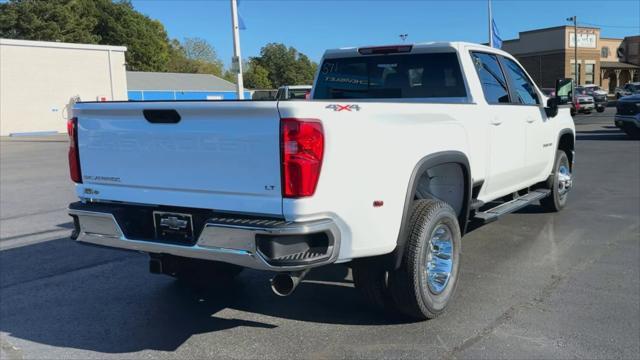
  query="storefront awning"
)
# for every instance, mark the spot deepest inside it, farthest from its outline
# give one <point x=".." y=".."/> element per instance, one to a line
<point x="617" y="65"/>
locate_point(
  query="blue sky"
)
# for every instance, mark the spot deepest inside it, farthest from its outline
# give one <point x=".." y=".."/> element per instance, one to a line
<point x="313" y="26"/>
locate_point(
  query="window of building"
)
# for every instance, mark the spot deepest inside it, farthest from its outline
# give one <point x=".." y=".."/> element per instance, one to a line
<point x="604" y="52"/>
<point x="494" y="84"/>
<point x="520" y="83"/>
<point x="588" y="73"/>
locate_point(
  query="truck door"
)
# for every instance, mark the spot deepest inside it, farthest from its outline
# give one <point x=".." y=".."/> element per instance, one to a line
<point x="539" y="149"/>
<point x="505" y="128"/>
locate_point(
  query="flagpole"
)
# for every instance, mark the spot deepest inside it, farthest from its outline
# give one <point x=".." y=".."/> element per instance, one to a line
<point x="490" y="24"/>
<point x="237" y="58"/>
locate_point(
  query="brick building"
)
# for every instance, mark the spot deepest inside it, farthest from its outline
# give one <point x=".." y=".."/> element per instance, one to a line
<point x="548" y="54"/>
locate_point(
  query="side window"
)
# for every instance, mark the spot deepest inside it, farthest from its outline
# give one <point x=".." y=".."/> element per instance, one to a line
<point x="520" y="83"/>
<point x="494" y="84"/>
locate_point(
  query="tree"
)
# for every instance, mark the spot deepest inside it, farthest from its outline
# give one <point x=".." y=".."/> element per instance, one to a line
<point x="89" y="21"/>
<point x="230" y="76"/>
<point x="194" y="55"/>
<point x="256" y="76"/>
<point x="120" y="24"/>
<point x="196" y="48"/>
<point x="283" y="66"/>
<point x="55" y="20"/>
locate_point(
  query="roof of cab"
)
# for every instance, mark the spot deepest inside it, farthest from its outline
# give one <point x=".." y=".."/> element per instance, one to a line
<point x="418" y="48"/>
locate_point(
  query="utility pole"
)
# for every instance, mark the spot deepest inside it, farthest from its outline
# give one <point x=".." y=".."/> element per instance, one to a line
<point x="490" y="24"/>
<point x="575" y="47"/>
<point x="237" y="58"/>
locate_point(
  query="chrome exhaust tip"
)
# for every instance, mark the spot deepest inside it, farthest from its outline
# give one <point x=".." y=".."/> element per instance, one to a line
<point x="283" y="284"/>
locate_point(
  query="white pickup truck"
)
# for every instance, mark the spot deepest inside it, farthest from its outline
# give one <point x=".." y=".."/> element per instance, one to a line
<point x="398" y="150"/>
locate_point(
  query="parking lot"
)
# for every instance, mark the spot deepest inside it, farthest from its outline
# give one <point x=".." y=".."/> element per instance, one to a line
<point x="533" y="285"/>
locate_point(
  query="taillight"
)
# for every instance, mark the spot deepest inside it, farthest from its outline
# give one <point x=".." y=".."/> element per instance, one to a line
<point x="74" y="155"/>
<point x="302" y="148"/>
<point x="385" y="49"/>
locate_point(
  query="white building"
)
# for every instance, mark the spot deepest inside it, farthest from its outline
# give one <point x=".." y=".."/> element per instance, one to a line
<point x="39" y="81"/>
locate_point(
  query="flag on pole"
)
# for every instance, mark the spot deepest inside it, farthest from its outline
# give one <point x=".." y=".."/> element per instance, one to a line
<point x="495" y="35"/>
<point x="241" y="25"/>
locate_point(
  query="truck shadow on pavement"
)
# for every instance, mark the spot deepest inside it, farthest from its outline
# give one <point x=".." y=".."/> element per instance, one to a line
<point x="63" y="294"/>
<point x="608" y="135"/>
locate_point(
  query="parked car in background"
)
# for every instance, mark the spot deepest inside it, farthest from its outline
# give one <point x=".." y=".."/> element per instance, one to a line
<point x="599" y="95"/>
<point x="294" y="92"/>
<point x="628" y="115"/>
<point x="582" y="104"/>
<point x="628" y="89"/>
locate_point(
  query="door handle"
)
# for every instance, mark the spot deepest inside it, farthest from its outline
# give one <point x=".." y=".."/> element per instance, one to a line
<point x="531" y="120"/>
<point x="495" y="121"/>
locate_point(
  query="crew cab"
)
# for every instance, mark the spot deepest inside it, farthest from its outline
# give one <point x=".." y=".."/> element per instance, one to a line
<point x="398" y="150"/>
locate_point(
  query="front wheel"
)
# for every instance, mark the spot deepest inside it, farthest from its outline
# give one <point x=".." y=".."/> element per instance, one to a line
<point x="600" y="109"/>
<point x="560" y="183"/>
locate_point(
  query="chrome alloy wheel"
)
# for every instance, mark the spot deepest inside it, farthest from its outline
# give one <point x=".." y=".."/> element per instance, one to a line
<point x="439" y="259"/>
<point x="564" y="180"/>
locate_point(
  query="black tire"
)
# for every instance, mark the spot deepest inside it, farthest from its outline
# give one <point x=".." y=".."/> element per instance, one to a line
<point x="633" y="132"/>
<point x="573" y="112"/>
<point x="558" y="197"/>
<point x="409" y="286"/>
<point x="600" y="109"/>
<point x="199" y="273"/>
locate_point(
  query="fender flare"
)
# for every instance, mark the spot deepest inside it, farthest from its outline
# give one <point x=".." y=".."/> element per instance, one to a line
<point x="429" y="161"/>
<point x="562" y="133"/>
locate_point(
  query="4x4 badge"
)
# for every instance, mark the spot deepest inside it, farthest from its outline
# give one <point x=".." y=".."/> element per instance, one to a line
<point x="338" y="107"/>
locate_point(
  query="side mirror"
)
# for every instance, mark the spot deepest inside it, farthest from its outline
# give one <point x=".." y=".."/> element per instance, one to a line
<point x="564" y="91"/>
<point x="552" y="107"/>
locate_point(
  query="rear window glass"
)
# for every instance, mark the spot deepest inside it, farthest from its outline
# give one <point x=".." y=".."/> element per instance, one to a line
<point x="435" y="75"/>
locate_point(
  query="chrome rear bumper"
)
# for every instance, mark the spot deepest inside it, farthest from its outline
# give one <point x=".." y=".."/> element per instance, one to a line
<point x="229" y="240"/>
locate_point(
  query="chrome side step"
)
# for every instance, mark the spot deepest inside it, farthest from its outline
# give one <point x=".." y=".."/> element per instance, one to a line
<point x="493" y="214"/>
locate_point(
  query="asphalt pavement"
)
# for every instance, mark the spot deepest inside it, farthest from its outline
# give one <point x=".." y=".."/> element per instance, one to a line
<point x="532" y="285"/>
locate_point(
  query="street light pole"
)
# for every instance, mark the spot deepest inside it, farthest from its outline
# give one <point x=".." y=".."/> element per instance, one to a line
<point x="575" y="46"/>
<point x="237" y="58"/>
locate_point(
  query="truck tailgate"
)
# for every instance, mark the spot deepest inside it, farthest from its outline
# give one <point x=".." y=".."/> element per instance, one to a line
<point x="220" y="155"/>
